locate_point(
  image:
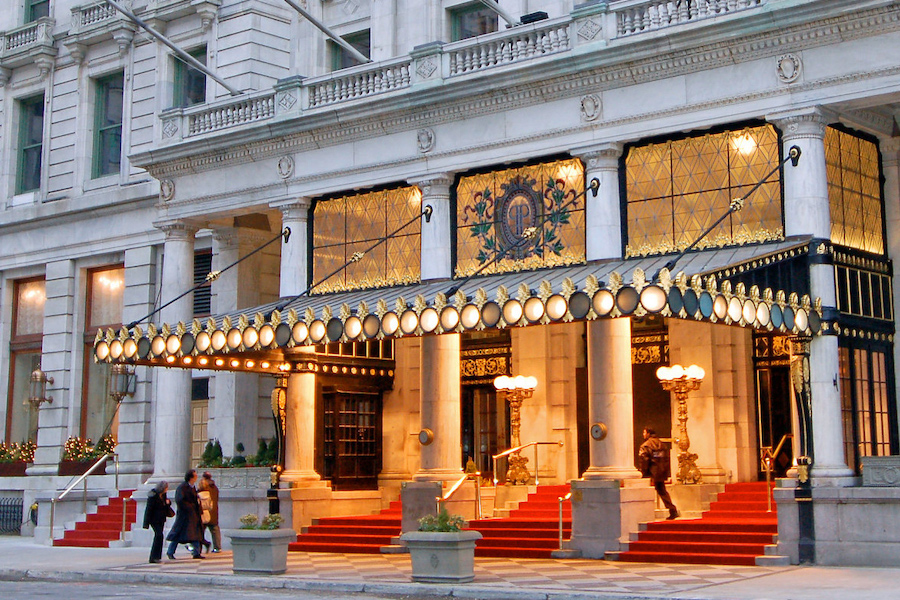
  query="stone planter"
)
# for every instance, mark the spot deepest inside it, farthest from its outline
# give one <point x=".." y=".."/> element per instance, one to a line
<point x="259" y="551"/>
<point x="240" y="478"/>
<point x="76" y="468"/>
<point x="442" y="557"/>
<point x="13" y="469"/>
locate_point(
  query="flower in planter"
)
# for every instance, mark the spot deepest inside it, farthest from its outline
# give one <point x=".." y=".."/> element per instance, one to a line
<point x="269" y="522"/>
<point x="443" y="521"/>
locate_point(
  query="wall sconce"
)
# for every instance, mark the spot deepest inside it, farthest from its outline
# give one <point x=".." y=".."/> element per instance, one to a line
<point x="122" y="381"/>
<point x="39" y="381"/>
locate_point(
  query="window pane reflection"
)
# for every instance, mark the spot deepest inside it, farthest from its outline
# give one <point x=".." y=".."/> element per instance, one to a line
<point x="106" y="296"/>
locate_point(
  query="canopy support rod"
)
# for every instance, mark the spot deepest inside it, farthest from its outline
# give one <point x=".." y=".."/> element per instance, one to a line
<point x="491" y="4"/>
<point x="213" y="275"/>
<point x="357" y="256"/>
<point x="735" y="206"/>
<point x="528" y="236"/>
<point x="327" y="31"/>
<point x="181" y="53"/>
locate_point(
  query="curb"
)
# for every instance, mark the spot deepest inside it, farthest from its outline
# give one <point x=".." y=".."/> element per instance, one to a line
<point x="276" y="582"/>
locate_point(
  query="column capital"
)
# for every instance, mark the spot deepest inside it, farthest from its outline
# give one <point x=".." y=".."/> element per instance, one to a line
<point x="177" y="230"/>
<point x="232" y="237"/>
<point x="890" y="150"/>
<point x="295" y="209"/>
<point x="599" y="156"/>
<point x="428" y="183"/>
<point x="801" y="123"/>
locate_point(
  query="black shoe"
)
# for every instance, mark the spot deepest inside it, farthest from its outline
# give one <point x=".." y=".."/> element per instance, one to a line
<point x="170" y="556"/>
<point x="154" y="560"/>
<point x="673" y="514"/>
<point x="199" y="556"/>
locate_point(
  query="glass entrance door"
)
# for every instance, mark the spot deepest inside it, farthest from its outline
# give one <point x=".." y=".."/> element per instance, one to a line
<point x="485" y="427"/>
<point x="352" y="439"/>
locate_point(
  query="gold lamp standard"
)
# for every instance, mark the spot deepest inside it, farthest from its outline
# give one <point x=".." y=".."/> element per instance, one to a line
<point x="681" y="381"/>
<point x="516" y="389"/>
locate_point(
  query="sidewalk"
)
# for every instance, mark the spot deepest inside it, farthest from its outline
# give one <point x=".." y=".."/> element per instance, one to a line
<point x="495" y="578"/>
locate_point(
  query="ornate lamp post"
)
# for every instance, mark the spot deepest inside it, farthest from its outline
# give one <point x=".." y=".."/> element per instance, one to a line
<point x="681" y="381"/>
<point x="517" y="389"/>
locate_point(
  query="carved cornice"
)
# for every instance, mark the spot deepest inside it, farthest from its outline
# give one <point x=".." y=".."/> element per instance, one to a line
<point x="548" y="89"/>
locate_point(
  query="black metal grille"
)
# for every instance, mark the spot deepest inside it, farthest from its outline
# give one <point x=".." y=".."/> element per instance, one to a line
<point x="10" y="515"/>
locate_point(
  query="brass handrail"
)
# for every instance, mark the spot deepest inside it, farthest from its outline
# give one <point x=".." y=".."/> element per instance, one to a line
<point x="561" y="500"/>
<point x="82" y="478"/>
<point x="519" y="448"/>
<point x="768" y="455"/>
<point x="476" y="477"/>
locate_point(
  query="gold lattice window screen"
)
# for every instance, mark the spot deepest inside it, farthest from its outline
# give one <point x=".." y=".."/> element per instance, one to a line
<point x="494" y="210"/>
<point x="676" y="189"/>
<point x="854" y="192"/>
<point x="350" y="224"/>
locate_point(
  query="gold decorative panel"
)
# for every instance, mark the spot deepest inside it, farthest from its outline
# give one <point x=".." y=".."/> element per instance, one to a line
<point x="676" y="189"/>
<point x="854" y="192"/>
<point x="494" y="211"/>
<point x="344" y="226"/>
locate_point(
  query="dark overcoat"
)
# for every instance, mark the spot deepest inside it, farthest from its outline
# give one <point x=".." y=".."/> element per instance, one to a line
<point x="157" y="511"/>
<point x="654" y="458"/>
<point x="188" y="527"/>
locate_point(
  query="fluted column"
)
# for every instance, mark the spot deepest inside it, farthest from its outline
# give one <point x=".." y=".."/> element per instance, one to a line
<point x="603" y="214"/>
<point x="807" y="212"/>
<point x="440" y="408"/>
<point x="436" y="231"/>
<point x="294" y="271"/>
<point x="610" y="397"/>
<point x="172" y="434"/>
<point x="890" y="162"/>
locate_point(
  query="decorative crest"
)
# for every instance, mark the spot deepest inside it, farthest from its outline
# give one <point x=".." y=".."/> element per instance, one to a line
<point x="712" y="285"/>
<point x="794" y="300"/>
<point x="110" y="335"/>
<point x="399" y="305"/>
<point x="344" y="312"/>
<point x="754" y="293"/>
<point x="99" y="337"/>
<point x="420" y="304"/>
<point x="615" y="282"/>
<point x="697" y="284"/>
<point x="327" y="313"/>
<point x="275" y="319"/>
<point x="138" y="332"/>
<point x="502" y="295"/>
<point x="440" y="301"/>
<point x="665" y="279"/>
<point x="226" y="323"/>
<point x="780" y="298"/>
<point x="481" y="298"/>
<point x="767" y="296"/>
<point x="740" y="290"/>
<point x="568" y="287"/>
<point x="151" y="331"/>
<point x="165" y="330"/>
<point x="210" y="325"/>
<point x="381" y="308"/>
<point x="726" y="288"/>
<point x="293" y="317"/>
<point x="309" y="315"/>
<point x="805" y="302"/>
<point x="681" y="281"/>
<point x="259" y="320"/>
<point x="638" y="279"/>
<point x="180" y="329"/>
<point x="523" y="293"/>
<point x="362" y="311"/>
<point x="459" y="299"/>
<point x="591" y="285"/>
<point x="196" y="327"/>
<point x="243" y="322"/>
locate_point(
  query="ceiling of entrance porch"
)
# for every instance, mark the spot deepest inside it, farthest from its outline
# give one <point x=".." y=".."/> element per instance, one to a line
<point x="599" y="289"/>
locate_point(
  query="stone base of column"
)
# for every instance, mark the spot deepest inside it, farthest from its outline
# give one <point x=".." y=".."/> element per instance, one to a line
<point x="438" y="475"/>
<point x="301" y="479"/>
<point x="608" y="473"/>
<point x="604" y="514"/>
<point x="419" y="499"/>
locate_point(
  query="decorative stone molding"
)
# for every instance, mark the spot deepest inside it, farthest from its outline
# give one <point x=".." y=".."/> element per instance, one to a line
<point x="591" y="107"/>
<point x="287" y="95"/>
<point x="802" y="123"/>
<point x="5" y="74"/>
<point x="30" y="44"/>
<point x="881" y="471"/>
<point x="588" y="29"/>
<point x="425" y="140"/>
<point x="159" y="12"/>
<point x="296" y="209"/>
<point x="789" y="68"/>
<point x="427" y="61"/>
<point x="243" y="478"/>
<point x="435" y="185"/>
<point x="601" y="156"/>
<point x="166" y="190"/>
<point x="890" y="151"/>
<point x="177" y="230"/>
<point x="94" y="23"/>
<point x="286" y="166"/>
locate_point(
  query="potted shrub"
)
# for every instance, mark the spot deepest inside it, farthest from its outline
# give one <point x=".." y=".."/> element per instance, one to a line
<point x="441" y="551"/>
<point x="14" y="458"/>
<point x="260" y="547"/>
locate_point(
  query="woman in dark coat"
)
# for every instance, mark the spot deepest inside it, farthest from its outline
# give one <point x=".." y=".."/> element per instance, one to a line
<point x="187" y="528"/>
<point x="159" y="508"/>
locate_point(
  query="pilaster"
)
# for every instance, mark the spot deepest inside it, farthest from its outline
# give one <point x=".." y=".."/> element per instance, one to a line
<point x="890" y="162"/>
<point x="436" y="229"/>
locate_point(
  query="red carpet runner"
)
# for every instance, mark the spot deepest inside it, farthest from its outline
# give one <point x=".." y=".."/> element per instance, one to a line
<point x="734" y="531"/>
<point x="102" y="527"/>
<point x="531" y="531"/>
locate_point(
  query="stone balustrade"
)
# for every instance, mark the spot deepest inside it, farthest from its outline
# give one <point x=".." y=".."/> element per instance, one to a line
<point x="225" y="116"/>
<point x="643" y="16"/>
<point x="85" y="16"/>
<point x="358" y="82"/>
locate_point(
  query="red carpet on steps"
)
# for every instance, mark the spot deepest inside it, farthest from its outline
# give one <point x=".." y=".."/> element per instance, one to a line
<point x="734" y="531"/>
<point x="102" y="527"/>
<point x="531" y="531"/>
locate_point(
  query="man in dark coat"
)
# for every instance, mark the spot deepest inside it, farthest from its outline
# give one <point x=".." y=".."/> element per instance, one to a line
<point x="654" y="457"/>
<point x="159" y="508"/>
<point x="187" y="528"/>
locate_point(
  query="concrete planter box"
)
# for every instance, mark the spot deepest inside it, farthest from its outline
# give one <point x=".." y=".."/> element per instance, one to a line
<point x="442" y="557"/>
<point x="260" y="552"/>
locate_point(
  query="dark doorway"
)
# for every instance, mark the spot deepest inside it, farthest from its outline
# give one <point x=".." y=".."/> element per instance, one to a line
<point x="352" y="438"/>
<point x="485" y="427"/>
<point x="652" y="404"/>
<point x="771" y="360"/>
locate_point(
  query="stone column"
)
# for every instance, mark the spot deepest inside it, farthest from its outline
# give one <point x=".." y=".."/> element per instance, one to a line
<point x="55" y="420"/>
<point x="294" y="272"/>
<point x="807" y="212"/>
<point x="172" y="436"/>
<point x="135" y="412"/>
<point x="603" y="221"/>
<point x="611" y="400"/>
<point x="890" y="161"/>
<point x="436" y="231"/>
<point x="440" y="408"/>
<point x="300" y="431"/>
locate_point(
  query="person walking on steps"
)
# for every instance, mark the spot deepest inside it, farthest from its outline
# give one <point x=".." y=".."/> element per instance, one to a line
<point x="654" y="458"/>
<point x="187" y="528"/>
<point x="209" y="502"/>
<point x="159" y="508"/>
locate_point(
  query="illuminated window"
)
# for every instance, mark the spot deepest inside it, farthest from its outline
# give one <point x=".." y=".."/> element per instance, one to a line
<point x="105" y="304"/>
<point x="25" y="356"/>
<point x="869" y="424"/>
<point x="495" y="210"/>
<point x="344" y="226"/>
<point x="676" y="189"/>
<point x="854" y="191"/>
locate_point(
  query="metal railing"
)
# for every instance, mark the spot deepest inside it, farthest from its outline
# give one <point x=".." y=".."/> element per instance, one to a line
<point x="768" y="457"/>
<point x="83" y="479"/>
<point x="520" y="448"/>
<point x="476" y="477"/>
<point x="561" y="500"/>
